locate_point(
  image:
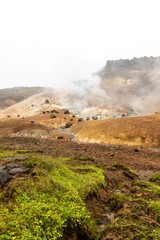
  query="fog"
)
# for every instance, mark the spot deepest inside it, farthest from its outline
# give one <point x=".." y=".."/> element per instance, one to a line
<point x="53" y="43"/>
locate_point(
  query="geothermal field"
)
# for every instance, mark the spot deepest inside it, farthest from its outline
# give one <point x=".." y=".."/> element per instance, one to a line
<point x="83" y="162"/>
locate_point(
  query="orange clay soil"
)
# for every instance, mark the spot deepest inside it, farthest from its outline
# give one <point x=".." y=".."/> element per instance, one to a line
<point x="133" y="131"/>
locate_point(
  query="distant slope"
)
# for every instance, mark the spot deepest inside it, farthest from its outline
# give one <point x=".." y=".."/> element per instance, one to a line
<point x="31" y="106"/>
<point x="10" y="96"/>
<point x="141" y="131"/>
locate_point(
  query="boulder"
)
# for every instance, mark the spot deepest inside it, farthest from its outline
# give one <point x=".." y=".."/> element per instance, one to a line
<point x="95" y="118"/>
<point x="66" y="112"/>
<point x="80" y="119"/>
<point x="47" y="101"/>
<point x="53" y="116"/>
<point x="60" y="137"/>
<point x="4" y="177"/>
<point x="68" y="125"/>
<point x="54" y="111"/>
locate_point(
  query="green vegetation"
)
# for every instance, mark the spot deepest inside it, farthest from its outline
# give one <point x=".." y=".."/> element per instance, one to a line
<point x="50" y="201"/>
<point x="124" y="167"/>
<point x="150" y="187"/>
<point x="155" y="178"/>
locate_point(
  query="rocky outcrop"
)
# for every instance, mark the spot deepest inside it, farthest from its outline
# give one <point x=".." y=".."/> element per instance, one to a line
<point x="11" y="170"/>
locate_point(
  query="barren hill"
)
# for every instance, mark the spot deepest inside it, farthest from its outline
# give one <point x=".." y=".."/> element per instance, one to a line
<point x="140" y="131"/>
<point x="10" y="96"/>
<point x="31" y="106"/>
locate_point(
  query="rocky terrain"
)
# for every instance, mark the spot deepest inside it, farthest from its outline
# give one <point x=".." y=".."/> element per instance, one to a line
<point x="67" y="174"/>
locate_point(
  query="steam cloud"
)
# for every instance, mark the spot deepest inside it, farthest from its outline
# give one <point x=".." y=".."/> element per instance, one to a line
<point x="121" y="86"/>
<point x="133" y="83"/>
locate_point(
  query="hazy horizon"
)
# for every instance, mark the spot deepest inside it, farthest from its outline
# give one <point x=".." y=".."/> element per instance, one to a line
<point x="52" y="43"/>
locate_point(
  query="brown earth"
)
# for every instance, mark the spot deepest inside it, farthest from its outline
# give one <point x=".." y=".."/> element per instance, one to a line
<point x="104" y="208"/>
<point x="133" y="131"/>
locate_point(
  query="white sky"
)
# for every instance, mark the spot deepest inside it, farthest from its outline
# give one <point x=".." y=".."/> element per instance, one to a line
<point x="51" y="42"/>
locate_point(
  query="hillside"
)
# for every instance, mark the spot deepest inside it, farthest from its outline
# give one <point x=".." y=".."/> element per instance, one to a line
<point x="10" y="96"/>
<point x="133" y="131"/>
<point x="76" y="164"/>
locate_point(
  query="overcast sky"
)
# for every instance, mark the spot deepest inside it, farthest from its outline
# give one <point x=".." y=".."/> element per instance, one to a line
<point x="51" y="42"/>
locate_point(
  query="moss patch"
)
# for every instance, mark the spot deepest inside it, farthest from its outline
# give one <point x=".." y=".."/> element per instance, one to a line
<point x="155" y="178"/>
<point x="45" y="206"/>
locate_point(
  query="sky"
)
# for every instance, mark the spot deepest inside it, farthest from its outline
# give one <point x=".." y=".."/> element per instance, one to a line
<point x="53" y="42"/>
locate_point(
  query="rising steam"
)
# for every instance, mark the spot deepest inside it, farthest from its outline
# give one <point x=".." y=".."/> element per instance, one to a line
<point x="129" y="87"/>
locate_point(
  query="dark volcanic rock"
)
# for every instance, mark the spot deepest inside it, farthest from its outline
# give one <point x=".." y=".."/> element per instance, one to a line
<point x="47" y="101"/>
<point x="53" y="116"/>
<point x="80" y="119"/>
<point x="32" y="121"/>
<point x="66" y="112"/>
<point x="68" y="125"/>
<point x="54" y="111"/>
<point x="4" y="177"/>
<point x="95" y="118"/>
<point x="60" y="137"/>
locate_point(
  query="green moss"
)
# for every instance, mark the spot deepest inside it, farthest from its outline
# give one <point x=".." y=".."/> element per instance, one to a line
<point x="86" y="158"/>
<point x="124" y="167"/>
<point x="45" y="207"/>
<point x="148" y="186"/>
<point x="154" y="206"/>
<point x="155" y="178"/>
<point x="41" y="163"/>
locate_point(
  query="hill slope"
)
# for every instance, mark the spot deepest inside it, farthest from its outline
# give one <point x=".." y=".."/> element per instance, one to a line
<point x="10" y="96"/>
<point x="141" y="131"/>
